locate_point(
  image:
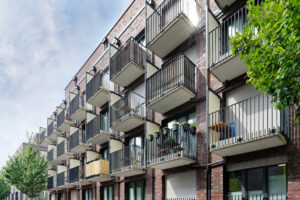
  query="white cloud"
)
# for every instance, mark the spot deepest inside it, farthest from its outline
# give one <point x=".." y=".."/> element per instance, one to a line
<point x="42" y="45"/>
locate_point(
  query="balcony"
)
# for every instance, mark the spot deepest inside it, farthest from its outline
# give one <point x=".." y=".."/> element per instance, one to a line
<point x="127" y="161"/>
<point x="247" y="126"/>
<point x="43" y="137"/>
<point x="62" y="150"/>
<point x="127" y="64"/>
<point x="97" y="129"/>
<point x="51" y="180"/>
<point x="222" y="64"/>
<point x="98" y="171"/>
<point x="97" y="88"/>
<point x="62" y="177"/>
<point x="63" y="120"/>
<point x="77" y="176"/>
<point x="168" y="26"/>
<point x="171" y="86"/>
<point x="173" y="149"/>
<point x="78" y="106"/>
<point x="77" y="141"/>
<point x="52" y="131"/>
<point x="128" y="112"/>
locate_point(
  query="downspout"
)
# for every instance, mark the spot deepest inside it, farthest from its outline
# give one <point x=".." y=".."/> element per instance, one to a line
<point x="208" y="178"/>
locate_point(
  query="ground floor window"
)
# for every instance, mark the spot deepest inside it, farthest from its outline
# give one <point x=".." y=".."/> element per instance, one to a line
<point x="107" y="193"/>
<point x="88" y="194"/>
<point x="257" y="184"/>
<point x="136" y="190"/>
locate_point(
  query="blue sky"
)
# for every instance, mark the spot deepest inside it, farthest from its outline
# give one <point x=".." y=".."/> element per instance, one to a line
<point x="42" y="46"/>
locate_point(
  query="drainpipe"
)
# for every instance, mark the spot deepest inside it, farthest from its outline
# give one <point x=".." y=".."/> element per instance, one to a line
<point x="207" y="104"/>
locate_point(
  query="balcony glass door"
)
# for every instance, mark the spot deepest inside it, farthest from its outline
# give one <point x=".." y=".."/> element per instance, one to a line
<point x="235" y="185"/>
<point x="107" y="193"/>
<point x="277" y="182"/>
<point x="88" y="194"/>
<point x="136" y="191"/>
<point x="255" y="184"/>
<point x="135" y="150"/>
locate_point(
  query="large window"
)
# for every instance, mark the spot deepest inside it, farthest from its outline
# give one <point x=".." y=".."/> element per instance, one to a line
<point x="136" y="190"/>
<point x="107" y="193"/>
<point x="104" y="153"/>
<point x="257" y="184"/>
<point x="88" y="194"/>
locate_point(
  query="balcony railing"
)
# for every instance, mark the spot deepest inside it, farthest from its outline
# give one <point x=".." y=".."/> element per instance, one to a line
<point x="98" y="81"/>
<point x="179" y="71"/>
<point x="98" y="170"/>
<point x="131" y="52"/>
<point x="61" y="118"/>
<point x="219" y="38"/>
<point x="99" y="123"/>
<point x="51" y="127"/>
<point x="60" y="149"/>
<point x="50" y="156"/>
<point x="76" y="139"/>
<point x="179" y="145"/>
<point x="75" y="174"/>
<point x="248" y="120"/>
<point x="50" y="184"/>
<point x="166" y="13"/>
<point x="76" y="103"/>
<point x="183" y="198"/>
<point x="128" y="158"/>
<point x="132" y="104"/>
<point x="272" y="196"/>
<point x="60" y="179"/>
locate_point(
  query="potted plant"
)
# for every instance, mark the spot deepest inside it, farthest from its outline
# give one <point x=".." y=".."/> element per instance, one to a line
<point x="165" y="130"/>
<point x="186" y="126"/>
<point x="100" y="156"/>
<point x="156" y="134"/>
<point x="193" y="128"/>
<point x="150" y="136"/>
<point x="175" y="126"/>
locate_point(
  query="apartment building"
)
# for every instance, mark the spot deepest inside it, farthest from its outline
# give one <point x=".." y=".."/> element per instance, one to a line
<point x="161" y="110"/>
<point x="38" y="138"/>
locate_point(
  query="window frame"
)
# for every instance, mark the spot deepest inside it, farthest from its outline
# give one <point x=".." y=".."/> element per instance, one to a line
<point x="102" y="191"/>
<point x="143" y="182"/>
<point x="244" y="173"/>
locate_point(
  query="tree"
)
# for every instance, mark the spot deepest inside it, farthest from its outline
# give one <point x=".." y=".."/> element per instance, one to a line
<point x="4" y="188"/>
<point x="270" y="46"/>
<point x="27" y="171"/>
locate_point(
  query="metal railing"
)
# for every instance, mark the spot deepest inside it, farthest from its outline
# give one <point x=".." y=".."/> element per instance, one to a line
<point x="50" y="182"/>
<point x="76" y="173"/>
<point x="128" y="158"/>
<point x="51" y="127"/>
<point x="60" y="149"/>
<point x="219" y="38"/>
<point x="177" y="143"/>
<point x="249" y="119"/>
<point x="99" y="80"/>
<point x="76" y="139"/>
<point x="60" y="179"/>
<point x="272" y="196"/>
<point x="77" y="102"/>
<point x="179" y="71"/>
<point x="166" y="13"/>
<point x="50" y="156"/>
<point x="61" y="118"/>
<point x="131" y="104"/>
<point x="94" y="126"/>
<point x="132" y="51"/>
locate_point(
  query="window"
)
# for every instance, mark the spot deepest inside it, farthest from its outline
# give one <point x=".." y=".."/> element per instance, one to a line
<point x="254" y="184"/>
<point x="104" y="153"/>
<point x="136" y="190"/>
<point x="190" y="117"/>
<point x="104" y="120"/>
<point x="107" y="193"/>
<point x="88" y="194"/>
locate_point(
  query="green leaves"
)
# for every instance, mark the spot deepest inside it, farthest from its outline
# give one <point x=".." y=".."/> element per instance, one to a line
<point x="270" y="46"/>
<point x="27" y="171"/>
<point x="4" y="188"/>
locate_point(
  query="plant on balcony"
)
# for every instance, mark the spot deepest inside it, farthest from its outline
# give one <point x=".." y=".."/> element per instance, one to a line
<point x="100" y="156"/>
<point x="186" y="126"/>
<point x="165" y="130"/>
<point x="156" y="134"/>
<point x="193" y="128"/>
<point x="270" y="46"/>
<point x="175" y="126"/>
<point x="27" y="170"/>
<point x="150" y="136"/>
